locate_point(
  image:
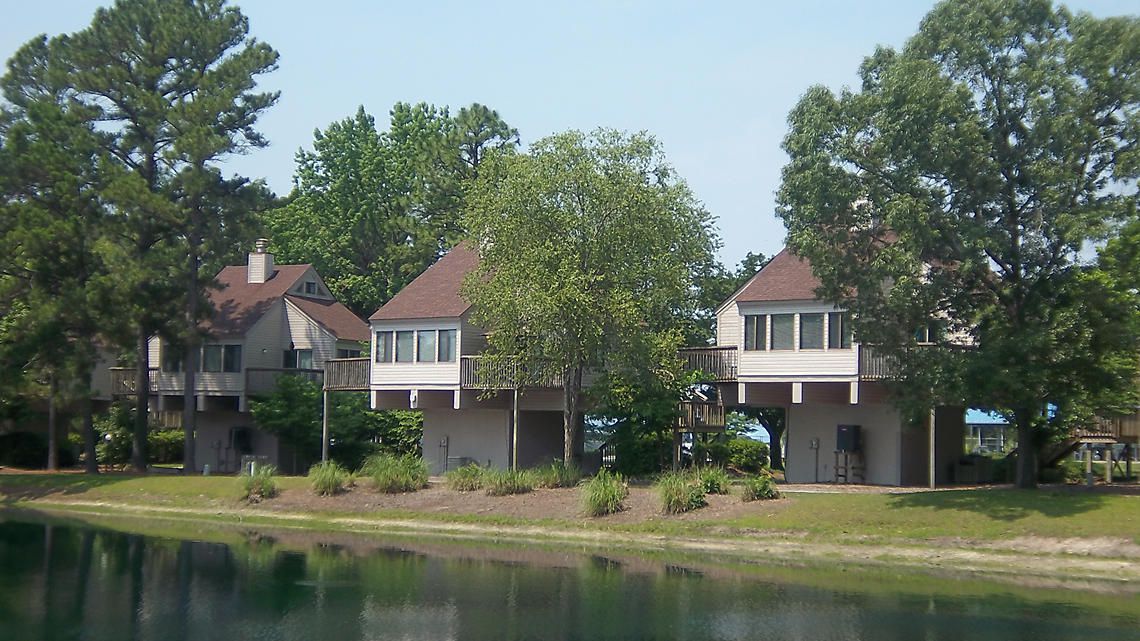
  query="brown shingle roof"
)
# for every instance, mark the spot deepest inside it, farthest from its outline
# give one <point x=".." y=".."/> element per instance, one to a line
<point x="334" y="317"/>
<point x="785" y="277"/>
<point x="434" y="293"/>
<point x="238" y="304"/>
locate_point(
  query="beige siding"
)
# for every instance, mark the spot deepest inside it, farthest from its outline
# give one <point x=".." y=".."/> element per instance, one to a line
<point x="311" y="276"/>
<point x="303" y="333"/>
<point x="794" y="364"/>
<point x="480" y="435"/>
<point x="881" y="429"/>
<point x="728" y="327"/>
<point x="414" y="375"/>
<point x="265" y="341"/>
<point x="471" y="339"/>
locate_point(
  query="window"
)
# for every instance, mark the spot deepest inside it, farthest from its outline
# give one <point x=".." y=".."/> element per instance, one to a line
<point x="383" y="347"/>
<point x="928" y="333"/>
<point x="756" y="332"/>
<point x="783" y="331"/>
<point x="838" y="331"/>
<point x="811" y="331"/>
<point x="171" y="359"/>
<point x="298" y="359"/>
<point x="310" y="287"/>
<point x="221" y="358"/>
<point x="425" y="346"/>
<point x="347" y="353"/>
<point x="405" y="346"/>
<point x="447" y="345"/>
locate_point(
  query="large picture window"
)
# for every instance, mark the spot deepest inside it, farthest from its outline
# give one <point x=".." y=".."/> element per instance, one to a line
<point x="811" y="331"/>
<point x="298" y="359"/>
<point x="171" y="359"/>
<point x="838" y="331"/>
<point x="783" y="331"/>
<point x="405" y="346"/>
<point x="447" y="345"/>
<point x="425" y="346"/>
<point x="221" y="358"/>
<point x="756" y="332"/>
<point x="383" y="347"/>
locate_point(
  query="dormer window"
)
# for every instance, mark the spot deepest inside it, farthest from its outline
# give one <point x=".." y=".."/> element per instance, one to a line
<point x="310" y="287"/>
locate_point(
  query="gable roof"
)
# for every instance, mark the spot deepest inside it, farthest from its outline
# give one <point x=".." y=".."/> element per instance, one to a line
<point x="785" y="277"/>
<point x="333" y="316"/>
<point x="239" y="304"/>
<point x="434" y="293"/>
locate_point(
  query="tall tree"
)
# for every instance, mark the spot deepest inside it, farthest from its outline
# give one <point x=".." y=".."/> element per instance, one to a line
<point x="956" y="188"/>
<point x="172" y="88"/>
<point x="372" y="209"/>
<point x="589" y="247"/>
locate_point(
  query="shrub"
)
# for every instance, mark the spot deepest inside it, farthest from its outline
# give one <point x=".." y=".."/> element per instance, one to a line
<point x="680" y="492"/>
<point x="393" y="474"/>
<point x="557" y="474"/>
<point x="260" y="485"/>
<point x="466" y="479"/>
<point x="760" y="487"/>
<point x="329" y="478"/>
<point x="604" y="494"/>
<point x="504" y="482"/>
<point x="714" y="480"/>
<point x="747" y="455"/>
<point x="714" y="452"/>
<point x="165" y="446"/>
<point x="26" y="449"/>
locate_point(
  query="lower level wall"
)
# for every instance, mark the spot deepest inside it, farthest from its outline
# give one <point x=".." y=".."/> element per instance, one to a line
<point x="483" y="436"/>
<point x="219" y="443"/>
<point x="880" y="428"/>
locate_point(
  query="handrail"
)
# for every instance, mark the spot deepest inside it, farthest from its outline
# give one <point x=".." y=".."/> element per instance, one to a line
<point x="719" y="364"/>
<point x="347" y="374"/>
<point x="481" y="372"/>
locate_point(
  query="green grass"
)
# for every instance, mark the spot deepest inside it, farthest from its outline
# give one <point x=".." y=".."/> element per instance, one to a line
<point x="680" y="492"/>
<point x="603" y="494"/>
<point x="713" y="479"/>
<point x="556" y="474"/>
<point x="504" y="482"/>
<point x="960" y="514"/>
<point x="468" y="478"/>
<point x="395" y="474"/>
<point x="328" y="478"/>
<point x="759" y="488"/>
<point x="260" y="485"/>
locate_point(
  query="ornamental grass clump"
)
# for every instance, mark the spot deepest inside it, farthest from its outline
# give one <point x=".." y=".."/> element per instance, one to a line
<point x="604" y="494"/>
<point x="260" y="485"/>
<point x="761" y="487"/>
<point x="328" y="478"/>
<point x="394" y="474"/>
<point x="504" y="482"/>
<point x="466" y="479"/>
<point x="557" y="474"/>
<point x="714" y="479"/>
<point x="680" y="492"/>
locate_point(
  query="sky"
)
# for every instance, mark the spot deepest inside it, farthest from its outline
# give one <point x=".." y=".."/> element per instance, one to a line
<point x="713" y="81"/>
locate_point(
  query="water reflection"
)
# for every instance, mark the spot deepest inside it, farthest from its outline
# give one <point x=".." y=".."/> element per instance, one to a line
<point x="64" y="582"/>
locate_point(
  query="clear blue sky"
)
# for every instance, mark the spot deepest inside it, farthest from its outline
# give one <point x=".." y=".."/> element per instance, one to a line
<point x="713" y="81"/>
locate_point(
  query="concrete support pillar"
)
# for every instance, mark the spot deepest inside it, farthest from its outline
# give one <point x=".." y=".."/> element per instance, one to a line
<point x="797" y="393"/>
<point x="933" y="449"/>
<point x="1088" y="465"/>
<point x="1108" y="464"/>
<point x="853" y="393"/>
<point x="740" y="393"/>
<point x="456" y="399"/>
<point x="325" y="427"/>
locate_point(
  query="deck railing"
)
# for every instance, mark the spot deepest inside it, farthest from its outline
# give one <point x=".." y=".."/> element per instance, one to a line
<point x="480" y="372"/>
<point x="346" y="374"/>
<point x="262" y="380"/>
<point x="123" y="381"/>
<point x="698" y="416"/>
<point x="875" y="366"/>
<point x="719" y="364"/>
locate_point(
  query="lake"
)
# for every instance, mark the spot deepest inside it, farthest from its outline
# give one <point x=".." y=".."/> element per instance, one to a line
<point x="66" y="579"/>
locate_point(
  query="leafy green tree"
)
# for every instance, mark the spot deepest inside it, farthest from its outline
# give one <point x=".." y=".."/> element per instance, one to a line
<point x="172" y="88"/>
<point x="589" y="249"/>
<point x="372" y="209"/>
<point x="293" y="413"/>
<point x="952" y="193"/>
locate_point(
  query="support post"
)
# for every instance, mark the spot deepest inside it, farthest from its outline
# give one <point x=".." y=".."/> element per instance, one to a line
<point x="933" y="450"/>
<point x="1088" y="465"/>
<point x="515" y="430"/>
<point x="325" y="429"/>
<point x="1108" y="464"/>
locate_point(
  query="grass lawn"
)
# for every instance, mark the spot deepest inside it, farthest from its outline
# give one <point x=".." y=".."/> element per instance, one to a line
<point x="987" y="514"/>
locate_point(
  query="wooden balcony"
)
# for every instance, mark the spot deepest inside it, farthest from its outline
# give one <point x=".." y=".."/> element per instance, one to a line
<point x="347" y="374"/>
<point x="478" y="372"/>
<point x="123" y="381"/>
<point x="874" y="366"/>
<point x="263" y="380"/>
<point x="698" y="416"/>
<point x="719" y="364"/>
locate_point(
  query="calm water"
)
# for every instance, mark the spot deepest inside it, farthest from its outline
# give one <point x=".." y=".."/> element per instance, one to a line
<point x="78" y="582"/>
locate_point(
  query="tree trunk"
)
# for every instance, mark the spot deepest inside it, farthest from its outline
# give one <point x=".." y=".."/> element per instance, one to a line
<point x="571" y="388"/>
<point x="142" y="400"/>
<point x="190" y="367"/>
<point x="91" y="462"/>
<point x="1026" y="450"/>
<point x="53" y="427"/>
<point x="775" y="451"/>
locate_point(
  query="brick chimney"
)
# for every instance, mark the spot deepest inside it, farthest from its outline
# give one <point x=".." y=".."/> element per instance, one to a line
<point x="260" y="267"/>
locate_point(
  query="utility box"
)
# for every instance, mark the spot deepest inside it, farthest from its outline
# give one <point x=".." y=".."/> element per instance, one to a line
<point x="847" y="438"/>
